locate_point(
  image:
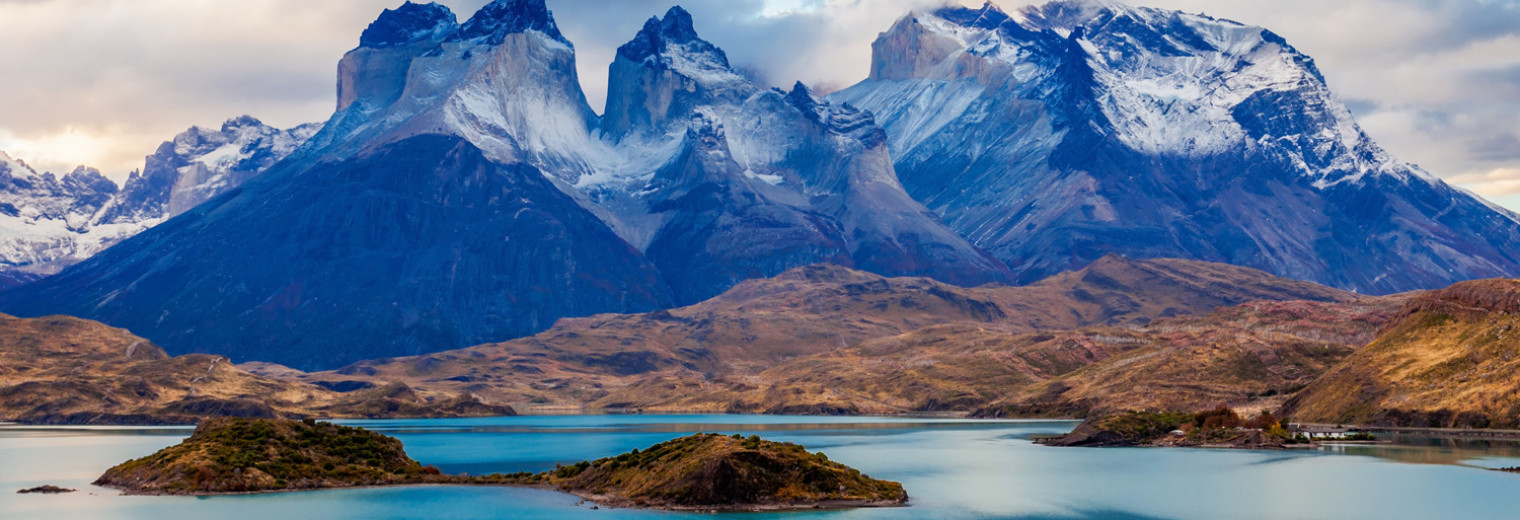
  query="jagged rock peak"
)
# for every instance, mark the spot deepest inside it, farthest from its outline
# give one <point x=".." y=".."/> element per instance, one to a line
<point x="242" y="122"/>
<point x="803" y="99"/>
<point x="989" y="16"/>
<point x="707" y="132"/>
<point x="83" y="173"/>
<point x="412" y="22"/>
<point x="1069" y="14"/>
<point x="842" y="118"/>
<point x="503" y="17"/>
<point x="672" y="42"/>
<point x="14" y="167"/>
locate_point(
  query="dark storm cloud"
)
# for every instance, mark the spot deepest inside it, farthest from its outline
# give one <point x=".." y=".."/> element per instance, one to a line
<point x="1496" y="147"/>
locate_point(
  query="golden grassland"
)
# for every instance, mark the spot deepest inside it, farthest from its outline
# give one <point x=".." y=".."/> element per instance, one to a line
<point x="1451" y="360"/>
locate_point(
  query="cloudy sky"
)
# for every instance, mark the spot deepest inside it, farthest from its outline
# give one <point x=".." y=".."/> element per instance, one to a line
<point x="102" y="82"/>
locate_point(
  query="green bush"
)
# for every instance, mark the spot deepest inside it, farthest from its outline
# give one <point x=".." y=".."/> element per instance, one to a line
<point x="1143" y="426"/>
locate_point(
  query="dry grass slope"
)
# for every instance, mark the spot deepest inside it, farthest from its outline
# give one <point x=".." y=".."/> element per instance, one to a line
<point x="1451" y="359"/>
<point x="62" y="370"/>
<point x="829" y="340"/>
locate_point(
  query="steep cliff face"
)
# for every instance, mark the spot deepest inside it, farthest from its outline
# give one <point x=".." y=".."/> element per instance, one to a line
<point x="504" y="80"/>
<point x="719" y="230"/>
<point x="761" y="180"/>
<point x="1059" y="133"/>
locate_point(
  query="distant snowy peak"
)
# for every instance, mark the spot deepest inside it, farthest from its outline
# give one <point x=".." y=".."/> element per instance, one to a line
<point x="48" y="223"/>
<point x="11" y="167"/>
<point x="45" y="220"/>
<point x="410" y="23"/>
<point x="241" y="143"/>
<point x="202" y="163"/>
<point x="500" y="18"/>
<point x="672" y="43"/>
<point x="1166" y="82"/>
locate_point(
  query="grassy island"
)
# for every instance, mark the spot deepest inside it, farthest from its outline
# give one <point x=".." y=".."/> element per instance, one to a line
<point x="232" y="455"/>
<point x="712" y="471"/>
<point x="699" y="472"/>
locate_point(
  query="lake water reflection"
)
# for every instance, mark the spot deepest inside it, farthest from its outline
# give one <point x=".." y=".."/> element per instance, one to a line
<point x="953" y="469"/>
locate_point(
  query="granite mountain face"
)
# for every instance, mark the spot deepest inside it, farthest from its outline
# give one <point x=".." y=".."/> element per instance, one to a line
<point x="761" y="180"/>
<point x="1055" y="134"/>
<point x="465" y="192"/>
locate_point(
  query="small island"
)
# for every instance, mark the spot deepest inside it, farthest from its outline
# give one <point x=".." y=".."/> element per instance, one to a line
<point x="235" y="456"/>
<point x="708" y="472"/>
<point x="1221" y="427"/>
<point x="718" y="472"/>
<point x="46" y="490"/>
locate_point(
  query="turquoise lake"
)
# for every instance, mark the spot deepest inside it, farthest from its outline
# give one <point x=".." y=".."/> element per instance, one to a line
<point x="953" y="469"/>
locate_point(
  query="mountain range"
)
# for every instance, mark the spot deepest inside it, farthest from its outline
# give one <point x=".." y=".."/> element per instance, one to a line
<point x="51" y="222"/>
<point x="464" y="191"/>
<point x="1055" y="134"/>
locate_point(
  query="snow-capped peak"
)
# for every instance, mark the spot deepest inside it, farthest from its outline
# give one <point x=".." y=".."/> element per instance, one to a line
<point x="1169" y="83"/>
<point x="988" y="16"/>
<point x="48" y="223"/>
<point x="672" y="43"/>
<point x="412" y="22"/>
<point x="500" y="18"/>
<point x="1069" y="14"/>
<point x="15" y="168"/>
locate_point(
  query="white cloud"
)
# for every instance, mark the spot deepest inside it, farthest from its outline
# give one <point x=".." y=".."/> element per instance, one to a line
<point x="104" y="82"/>
<point x="1496" y="183"/>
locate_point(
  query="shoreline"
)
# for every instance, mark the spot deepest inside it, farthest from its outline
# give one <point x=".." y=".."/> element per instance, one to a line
<point x="1460" y="433"/>
<point x="959" y="416"/>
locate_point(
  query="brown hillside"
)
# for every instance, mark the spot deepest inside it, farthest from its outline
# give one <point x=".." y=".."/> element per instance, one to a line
<point x="1452" y="359"/>
<point x="63" y="370"/>
<point x="1249" y="356"/>
<point x="826" y="339"/>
